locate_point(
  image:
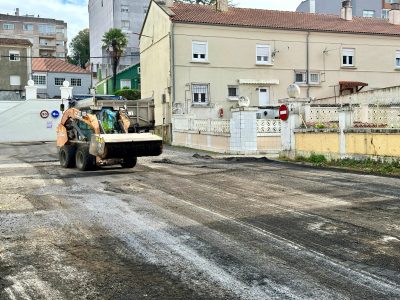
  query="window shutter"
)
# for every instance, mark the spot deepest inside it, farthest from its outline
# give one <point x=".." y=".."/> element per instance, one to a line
<point x="348" y="52"/>
<point x="199" y="48"/>
<point x="262" y="51"/>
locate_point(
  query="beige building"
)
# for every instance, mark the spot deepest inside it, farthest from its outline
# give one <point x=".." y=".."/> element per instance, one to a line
<point x="48" y="36"/>
<point x="199" y="60"/>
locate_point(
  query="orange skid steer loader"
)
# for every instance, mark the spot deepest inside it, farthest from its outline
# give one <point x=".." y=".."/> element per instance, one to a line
<point x="96" y="133"/>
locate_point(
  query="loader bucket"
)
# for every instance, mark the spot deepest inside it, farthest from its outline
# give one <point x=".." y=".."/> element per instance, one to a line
<point x="107" y="146"/>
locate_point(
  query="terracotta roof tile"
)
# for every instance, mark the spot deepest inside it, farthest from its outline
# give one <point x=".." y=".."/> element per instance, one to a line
<point x="20" y="42"/>
<point x="260" y="18"/>
<point x="55" y="65"/>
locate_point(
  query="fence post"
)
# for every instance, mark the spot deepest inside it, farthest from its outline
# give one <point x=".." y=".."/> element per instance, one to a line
<point x="66" y="90"/>
<point x="31" y="91"/>
<point x="288" y="127"/>
<point x="345" y="122"/>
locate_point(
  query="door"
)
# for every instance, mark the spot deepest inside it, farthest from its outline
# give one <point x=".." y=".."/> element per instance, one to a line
<point x="263" y="96"/>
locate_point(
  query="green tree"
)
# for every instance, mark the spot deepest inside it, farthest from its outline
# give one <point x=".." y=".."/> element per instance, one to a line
<point x="115" y="42"/>
<point x="80" y="49"/>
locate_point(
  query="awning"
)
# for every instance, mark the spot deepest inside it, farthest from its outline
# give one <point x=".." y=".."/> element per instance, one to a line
<point x="352" y="86"/>
<point x="259" y="82"/>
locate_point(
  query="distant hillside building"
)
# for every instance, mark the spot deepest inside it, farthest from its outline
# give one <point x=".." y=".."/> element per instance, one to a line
<point x="48" y="36"/>
<point x="361" y="8"/>
<point x="15" y="66"/>
<point x="49" y="75"/>
<point x="123" y="14"/>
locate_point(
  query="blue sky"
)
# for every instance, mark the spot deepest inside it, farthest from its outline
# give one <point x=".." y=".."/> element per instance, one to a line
<point x="74" y="12"/>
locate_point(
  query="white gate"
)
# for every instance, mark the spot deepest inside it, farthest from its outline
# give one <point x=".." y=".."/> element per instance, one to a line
<point x="29" y="120"/>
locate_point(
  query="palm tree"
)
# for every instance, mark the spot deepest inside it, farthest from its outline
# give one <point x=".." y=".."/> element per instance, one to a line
<point x="115" y="42"/>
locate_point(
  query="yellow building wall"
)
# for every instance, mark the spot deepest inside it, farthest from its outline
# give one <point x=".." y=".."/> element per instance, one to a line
<point x="155" y="62"/>
<point x="317" y="142"/>
<point x="376" y="144"/>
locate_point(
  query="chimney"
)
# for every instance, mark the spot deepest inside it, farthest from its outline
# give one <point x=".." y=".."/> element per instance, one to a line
<point x="17" y="12"/>
<point x="394" y="14"/>
<point x="222" y="5"/>
<point x="312" y="6"/>
<point x="347" y="11"/>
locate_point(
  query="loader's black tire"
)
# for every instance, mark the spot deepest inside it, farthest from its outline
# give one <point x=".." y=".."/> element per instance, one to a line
<point x="129" y="162"/>
<point x="84" y="160"/>
<point x="67" y="156"/>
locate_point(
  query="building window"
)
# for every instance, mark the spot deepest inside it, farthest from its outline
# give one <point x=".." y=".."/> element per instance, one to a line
<point x="263" y="54"/>
<point x="348" y="57"/>
<point x="124" y="8"/>
<point x="76" y="82"/>
<point x="28" y="27"/>
<point x="60" y="43"/>
<point x="368" y="13"/>
<point x="125" y="24"/>
<point x="15" y="80"/>
<point x="314" y="78"/>
<point x="300" y="77"/>
<point x="200" y="93"/>
<point x="199" y="51"/>
<point x="138" y="70"/>
<point x="398" y="59"/>
<point x="47" y="29"/>
<point x="385" y="13"/>
<point x="59" y="81"/>
<point x="60" y="55"/>
<point x="43" y="42"/>
<point x="39" y="79"/>
<point x="125" y="83"/>
<point x="14" y="55"/>
<point x="60" y="30"/>
<point x="233" y="91"/>
<point x="8" y="26"/>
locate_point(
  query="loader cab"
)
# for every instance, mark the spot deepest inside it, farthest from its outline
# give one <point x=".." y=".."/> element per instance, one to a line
<point x="109" y="121"/>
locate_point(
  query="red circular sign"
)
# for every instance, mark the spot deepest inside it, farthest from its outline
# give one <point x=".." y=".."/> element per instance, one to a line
<point x="283" y="112"/>
<point x="44" y="114"/>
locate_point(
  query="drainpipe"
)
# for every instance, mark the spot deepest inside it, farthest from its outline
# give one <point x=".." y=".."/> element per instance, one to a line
<point x="308" y="64"/>
<point x="172" y="68"/>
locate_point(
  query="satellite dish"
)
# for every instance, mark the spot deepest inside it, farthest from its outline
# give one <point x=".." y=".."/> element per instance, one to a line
<point x="244" y="101"/>
<point x="293" y="91"/>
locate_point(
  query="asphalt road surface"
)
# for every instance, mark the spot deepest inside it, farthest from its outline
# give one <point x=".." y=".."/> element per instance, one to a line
<point x="184" y="227"/>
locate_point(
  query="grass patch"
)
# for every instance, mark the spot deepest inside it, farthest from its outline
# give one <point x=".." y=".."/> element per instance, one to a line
<point x="367" y="165"/>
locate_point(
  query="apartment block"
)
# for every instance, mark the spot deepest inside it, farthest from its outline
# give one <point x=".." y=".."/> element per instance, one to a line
<point x="48" y="36"/>
<point x="361" y="8"/>
<point x="124" y="14"/>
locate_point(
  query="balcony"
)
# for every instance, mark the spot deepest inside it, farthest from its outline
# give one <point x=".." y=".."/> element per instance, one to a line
<point x="47" y="35"/>
<point x="47" y="47"/>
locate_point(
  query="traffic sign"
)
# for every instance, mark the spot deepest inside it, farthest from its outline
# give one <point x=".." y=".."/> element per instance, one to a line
<point x="283" y="112"/>
<point x="55" y="114"/>
<point x="44" y="114"/>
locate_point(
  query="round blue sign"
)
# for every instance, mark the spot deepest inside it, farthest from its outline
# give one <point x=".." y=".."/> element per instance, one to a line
<point x="55" y="114"/>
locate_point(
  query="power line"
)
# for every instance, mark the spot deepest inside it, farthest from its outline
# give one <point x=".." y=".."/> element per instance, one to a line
<point x="53" y="57"/>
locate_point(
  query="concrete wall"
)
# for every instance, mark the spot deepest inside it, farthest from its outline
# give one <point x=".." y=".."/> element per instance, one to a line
<point x="318" y="142"/>
<point x="269" y="144"/>
<point x="209" y="142"/>
<point x="373" y="144"/>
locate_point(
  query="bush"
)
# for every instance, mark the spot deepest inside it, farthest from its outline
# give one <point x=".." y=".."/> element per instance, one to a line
<point x="129" y="94"/>
<point x="317" y="159"/>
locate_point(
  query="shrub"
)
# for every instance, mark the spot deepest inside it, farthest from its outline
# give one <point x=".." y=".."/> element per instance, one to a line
<point x="129" y="94"/>
<point x="317" y="158"/>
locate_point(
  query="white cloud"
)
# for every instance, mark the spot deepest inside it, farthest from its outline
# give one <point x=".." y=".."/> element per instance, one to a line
<point x="73" y="12"/>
